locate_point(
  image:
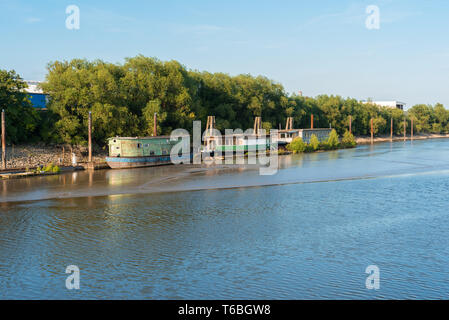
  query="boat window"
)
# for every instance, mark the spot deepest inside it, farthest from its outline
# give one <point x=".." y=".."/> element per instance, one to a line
<point x="118" y="148"/>
<point x="151" y="153"/>
<point x="139" y="146"/>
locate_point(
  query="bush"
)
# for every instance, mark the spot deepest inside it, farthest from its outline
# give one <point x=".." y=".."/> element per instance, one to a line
<point x="51" y="168"/>
<point x="308" y="148"/>
<point x="297" y="145"/>
<point x="314" y="142"/>
<point x="332" y="142"/>
<point x="348" y="140"/>
<point x="324" y="145"/>
<point x="48" y="168"/>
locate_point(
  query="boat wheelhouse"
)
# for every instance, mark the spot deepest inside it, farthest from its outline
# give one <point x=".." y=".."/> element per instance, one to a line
<point x="287" y="136"/>
<point x="133" y="152"/>
<point x="237" y="143"/>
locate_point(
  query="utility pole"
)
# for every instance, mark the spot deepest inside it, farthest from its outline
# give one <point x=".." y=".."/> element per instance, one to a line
<point x="3" y="140"/>
<point x="311" y="122"/>
<point x="90" y="136"/>
<point x="412" y="130"/>
<point x="350" y="124"/>
<point x="405" y="130"/>
<point x="391" y="129"/>
<point x="372" y="131"/>
<point x="155" y="124"/>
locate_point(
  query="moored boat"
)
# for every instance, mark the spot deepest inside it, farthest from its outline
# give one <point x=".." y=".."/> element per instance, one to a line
<point x="134" y="152"/>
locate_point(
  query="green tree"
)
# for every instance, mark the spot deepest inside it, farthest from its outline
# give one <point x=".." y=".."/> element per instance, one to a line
<point x="22" y="120"/>
<point x="379" y="125"/>
<point x="423" y="117"/>
<point x="152" y="107"/>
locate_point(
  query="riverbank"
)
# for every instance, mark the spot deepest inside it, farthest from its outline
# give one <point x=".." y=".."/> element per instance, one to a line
<point x="367" y="139"/>
<point x="31" y="156"/>
<point x="20" y="158"/>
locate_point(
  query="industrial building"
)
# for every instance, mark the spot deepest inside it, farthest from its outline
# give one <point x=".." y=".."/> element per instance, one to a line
<point x="37" y="97"/>
<point x="388" y="104"/>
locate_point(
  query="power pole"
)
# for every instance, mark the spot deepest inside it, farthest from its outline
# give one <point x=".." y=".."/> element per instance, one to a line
<point x="90" y="136"/>
<point x="391" y="129"/>
<point x="372" y="131"/>
<point x="155" y="125"/>
<point x="350" y="124"/>
<point x="405" y="130"/>
<point x="3" y="140"/>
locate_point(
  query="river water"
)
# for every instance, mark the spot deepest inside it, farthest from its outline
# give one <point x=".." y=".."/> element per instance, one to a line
<point x="185" y="232"/>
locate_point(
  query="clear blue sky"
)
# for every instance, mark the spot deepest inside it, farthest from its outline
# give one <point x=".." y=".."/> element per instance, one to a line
<point x="318" y="46"/>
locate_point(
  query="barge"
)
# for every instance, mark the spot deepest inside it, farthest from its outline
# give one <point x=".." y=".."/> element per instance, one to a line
<point x="136" y="152"/>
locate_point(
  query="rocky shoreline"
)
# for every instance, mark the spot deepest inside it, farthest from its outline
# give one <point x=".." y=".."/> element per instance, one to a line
<point x="32" y="156"/>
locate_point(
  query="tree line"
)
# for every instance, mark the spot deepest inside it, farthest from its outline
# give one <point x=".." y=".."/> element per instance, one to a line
<point x="124" y="97"/>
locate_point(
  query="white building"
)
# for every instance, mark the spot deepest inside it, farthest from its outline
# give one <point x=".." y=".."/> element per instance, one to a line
<point x="389" y="104"/>
<point x="33" y="87"/>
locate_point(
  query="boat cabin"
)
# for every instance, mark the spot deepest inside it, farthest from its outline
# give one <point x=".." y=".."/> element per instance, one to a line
<point x="286" y="136"/>
<point x="141" y="146"/>
<point x="237" y="143"/>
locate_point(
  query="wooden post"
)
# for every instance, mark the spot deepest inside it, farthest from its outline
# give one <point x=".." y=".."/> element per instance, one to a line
<point x="311" y="122"/>
<point x="289" y="124"/>
<point x="391" y="129"/>
<point x="209" y="129"/>
<point x="411" y="135"/>
<point x="3" y="140"/>
<point x="350" y="124"/>
<point x="257" y="125"/>
<point x="63" y="155"/>
<point x="372" y="131"/>
<point x="405" y="130"/>
<point x="155" y="125"/>
<point x="90" y="136"/>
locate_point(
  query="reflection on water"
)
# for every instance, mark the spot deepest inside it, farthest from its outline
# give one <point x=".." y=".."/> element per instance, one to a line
<point x="282" y="238"/>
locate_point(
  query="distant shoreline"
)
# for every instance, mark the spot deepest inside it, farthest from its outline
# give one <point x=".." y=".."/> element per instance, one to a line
<point x="362" y="140"/>
<point x="29" y="156"/>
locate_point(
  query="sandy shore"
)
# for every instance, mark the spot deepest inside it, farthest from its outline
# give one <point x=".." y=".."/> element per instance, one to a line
<point x="367" y="140"/>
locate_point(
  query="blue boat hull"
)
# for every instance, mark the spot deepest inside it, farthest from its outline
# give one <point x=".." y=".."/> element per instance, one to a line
<point x="138" y="162"/>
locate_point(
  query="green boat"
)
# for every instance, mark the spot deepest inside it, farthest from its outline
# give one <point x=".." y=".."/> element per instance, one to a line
<point x="128" y="152"/>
